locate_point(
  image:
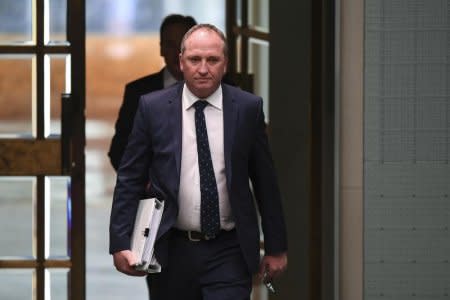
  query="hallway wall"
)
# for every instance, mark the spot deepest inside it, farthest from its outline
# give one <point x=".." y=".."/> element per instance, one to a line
<point x="289" y="134"/>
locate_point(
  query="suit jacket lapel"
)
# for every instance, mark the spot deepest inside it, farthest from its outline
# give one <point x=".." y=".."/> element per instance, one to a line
<point x="175" y="116"/>
<point x="230" y="116"/>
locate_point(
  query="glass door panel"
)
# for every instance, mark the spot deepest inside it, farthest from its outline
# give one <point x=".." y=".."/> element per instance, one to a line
<point x="59" y="209"/>
<point x="58" y="288"/>
<point x="20" y="30"/>
<point x="258" y="14"/>
<point x="258" y="65"/>
<point x="16" y="115"/>
<point x="57" y="22"/>
<point x="58" y="66"/>
<point x="16" y="284"/>
<point x="16" y="216"/>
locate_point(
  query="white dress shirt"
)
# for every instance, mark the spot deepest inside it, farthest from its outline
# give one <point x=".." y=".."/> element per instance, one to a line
<point x="189" y="199"/>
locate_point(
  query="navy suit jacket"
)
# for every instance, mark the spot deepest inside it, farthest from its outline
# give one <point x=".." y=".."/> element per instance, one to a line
<point x="153" y="155"/>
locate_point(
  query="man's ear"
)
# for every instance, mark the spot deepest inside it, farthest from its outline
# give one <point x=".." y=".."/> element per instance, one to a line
<point x="225" y="66"/>
<point x="179" y="61"/>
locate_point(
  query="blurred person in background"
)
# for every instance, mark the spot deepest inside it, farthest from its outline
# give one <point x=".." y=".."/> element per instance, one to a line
<point x="171" y="32"/>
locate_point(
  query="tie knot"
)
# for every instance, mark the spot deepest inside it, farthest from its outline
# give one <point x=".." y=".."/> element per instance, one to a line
<point x="200" y="105"/>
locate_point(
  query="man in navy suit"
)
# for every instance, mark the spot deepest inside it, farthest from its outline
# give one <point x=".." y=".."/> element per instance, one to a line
<point x="165" y="149"/>
<point x="171" y="32"/>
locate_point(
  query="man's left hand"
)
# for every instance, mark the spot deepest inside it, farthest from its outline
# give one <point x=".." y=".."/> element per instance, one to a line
<point x="273" y="265"/>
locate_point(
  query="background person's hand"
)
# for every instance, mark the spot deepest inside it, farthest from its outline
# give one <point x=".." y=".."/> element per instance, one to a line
<point x="124" y="262"/>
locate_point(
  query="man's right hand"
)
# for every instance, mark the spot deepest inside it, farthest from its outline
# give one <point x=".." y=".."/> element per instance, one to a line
<point x="124" y="262"/>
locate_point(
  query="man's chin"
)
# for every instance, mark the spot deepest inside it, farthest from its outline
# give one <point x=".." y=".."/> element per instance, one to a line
<point x="202" y="90"/>
<point x="203" y="86"/>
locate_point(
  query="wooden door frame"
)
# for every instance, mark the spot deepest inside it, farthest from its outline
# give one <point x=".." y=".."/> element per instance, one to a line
<point x="20" y="159"/>
<point x="76" y="34"/>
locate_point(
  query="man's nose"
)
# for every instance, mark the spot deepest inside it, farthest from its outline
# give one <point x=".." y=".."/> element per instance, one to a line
<point x="203" y="68"/>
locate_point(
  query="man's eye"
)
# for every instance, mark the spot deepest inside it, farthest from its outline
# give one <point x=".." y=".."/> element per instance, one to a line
<point x="213" y="60"/>
<point x="194" y="59"/>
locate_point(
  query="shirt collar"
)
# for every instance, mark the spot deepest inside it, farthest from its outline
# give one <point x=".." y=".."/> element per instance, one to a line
<point x="215" y="99"/>
<point x="169" y="79"/>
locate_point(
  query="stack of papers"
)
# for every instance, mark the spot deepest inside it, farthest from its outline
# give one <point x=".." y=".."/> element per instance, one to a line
<point x="146" y="225"/>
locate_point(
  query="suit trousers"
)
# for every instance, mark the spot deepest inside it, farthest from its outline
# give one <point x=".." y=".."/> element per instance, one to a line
<point x="203" y="270"/>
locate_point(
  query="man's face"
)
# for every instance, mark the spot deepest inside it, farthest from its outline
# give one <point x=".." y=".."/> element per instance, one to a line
<point x="203" y="62"/>
<point x="170" y="47"/>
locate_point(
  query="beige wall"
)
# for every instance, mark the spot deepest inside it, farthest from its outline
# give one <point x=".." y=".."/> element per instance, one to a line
<point x="351" y="151"/>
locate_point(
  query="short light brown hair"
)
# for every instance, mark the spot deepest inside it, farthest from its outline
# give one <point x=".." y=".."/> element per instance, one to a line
<point x="209" y="27"/>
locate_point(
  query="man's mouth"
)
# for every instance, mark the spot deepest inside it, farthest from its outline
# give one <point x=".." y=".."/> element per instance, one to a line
<point x="203" y="79"/>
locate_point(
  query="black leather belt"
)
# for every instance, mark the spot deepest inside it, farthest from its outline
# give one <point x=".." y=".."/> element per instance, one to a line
<point x="195" y="236"/>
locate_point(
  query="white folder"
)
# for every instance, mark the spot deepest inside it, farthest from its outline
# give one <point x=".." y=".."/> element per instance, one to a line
<point x="148" y="218"/>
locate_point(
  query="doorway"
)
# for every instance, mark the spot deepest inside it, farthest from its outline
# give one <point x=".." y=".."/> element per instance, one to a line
<point x="42" y="150"/>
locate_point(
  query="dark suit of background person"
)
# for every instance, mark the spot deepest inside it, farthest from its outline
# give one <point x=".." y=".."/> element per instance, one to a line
<point x="220" y="268"/>
<point x="172" y="30"/>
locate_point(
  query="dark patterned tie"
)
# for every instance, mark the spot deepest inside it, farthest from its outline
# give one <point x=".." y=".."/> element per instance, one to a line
<point x="209" y="216"/>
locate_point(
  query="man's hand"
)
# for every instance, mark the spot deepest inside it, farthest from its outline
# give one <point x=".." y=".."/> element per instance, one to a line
<point x="124" y="262"/>
<point x="273" y="266"/>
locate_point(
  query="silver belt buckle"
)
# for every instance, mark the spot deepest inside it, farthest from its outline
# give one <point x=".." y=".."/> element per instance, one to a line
<point x="191" y="238"/>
